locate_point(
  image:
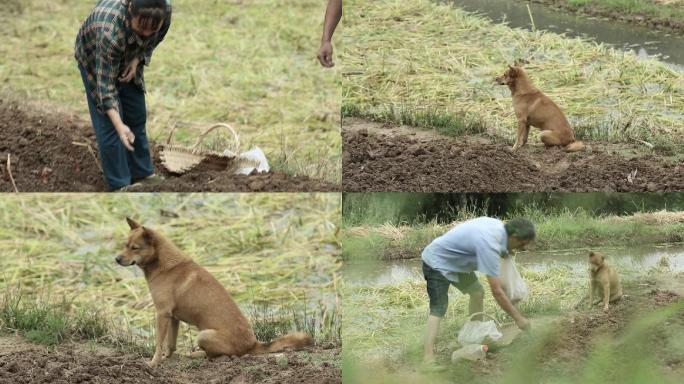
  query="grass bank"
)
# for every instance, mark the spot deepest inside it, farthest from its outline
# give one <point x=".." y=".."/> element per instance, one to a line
<point x="427" y="64"/>
<point x="666" y="14"/>
<point x="252" y="65"/>
<point x="567" y="229"/>
<point x="275" y="253"/>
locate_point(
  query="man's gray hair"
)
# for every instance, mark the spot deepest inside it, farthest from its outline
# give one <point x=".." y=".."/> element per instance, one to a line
<point x="521" y="228"/>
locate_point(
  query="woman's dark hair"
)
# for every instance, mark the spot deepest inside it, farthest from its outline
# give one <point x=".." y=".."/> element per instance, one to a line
<point x="521" y="228"/>
<point x="152" y="12"/>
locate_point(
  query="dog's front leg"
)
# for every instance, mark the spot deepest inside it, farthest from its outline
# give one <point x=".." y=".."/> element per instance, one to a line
<point x="525" y="134"/>
<point x="171" y="339"/>
<point x="521" y="137"/>
<point x="162" y="328"/>
<point x="592" y="289"/>
<point x="606" y="295"/>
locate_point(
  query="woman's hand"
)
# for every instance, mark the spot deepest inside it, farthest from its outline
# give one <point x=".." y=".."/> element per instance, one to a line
<point x="131" y="69"/>
<point x="126" y="136"/>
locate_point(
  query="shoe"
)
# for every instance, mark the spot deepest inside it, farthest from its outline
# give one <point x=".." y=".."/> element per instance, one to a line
<point x="128" y="188"/>
<point x="152" y="179"/>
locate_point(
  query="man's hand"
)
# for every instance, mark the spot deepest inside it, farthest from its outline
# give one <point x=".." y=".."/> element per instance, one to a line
<point x="325" y="54"/>
<point x="523" y="323"/>
<point x="131" y="69"/>
<point x="505" y="303"/>
<point x="333" y="14"/>
<point x="126" y="136"/>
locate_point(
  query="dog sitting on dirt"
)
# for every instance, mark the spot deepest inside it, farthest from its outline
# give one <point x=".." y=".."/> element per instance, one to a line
<point x="605" y="282"/>
<point x="184" y="291"/>
<point x="534" y="109"/>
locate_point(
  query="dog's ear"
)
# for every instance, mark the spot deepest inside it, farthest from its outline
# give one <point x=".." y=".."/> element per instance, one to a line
<point x="132" y="223"/>
<point x="148" y="236"/>
<point x="591" y="253"/>
<point x="512" y="71"/>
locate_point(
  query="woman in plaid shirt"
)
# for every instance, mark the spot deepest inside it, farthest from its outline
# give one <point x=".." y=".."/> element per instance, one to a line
<point x="113" y="42"/>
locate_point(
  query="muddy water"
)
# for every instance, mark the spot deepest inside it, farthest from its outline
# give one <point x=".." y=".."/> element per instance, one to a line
<point x="631" y="259"/>
<point x="640" y="40"/>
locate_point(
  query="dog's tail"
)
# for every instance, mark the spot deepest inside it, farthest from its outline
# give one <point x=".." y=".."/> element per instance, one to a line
<point x="293" y="341"/>
<point x="575" y="146"/>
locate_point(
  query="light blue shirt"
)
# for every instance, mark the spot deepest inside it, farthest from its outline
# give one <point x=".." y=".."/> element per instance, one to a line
<point x="475" y="245"/>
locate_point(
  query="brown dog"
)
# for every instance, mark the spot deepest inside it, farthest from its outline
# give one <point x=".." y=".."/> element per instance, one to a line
<point x="604" y="281"/>
<point x="183" y="291"/>
<point x="533" y="108"/>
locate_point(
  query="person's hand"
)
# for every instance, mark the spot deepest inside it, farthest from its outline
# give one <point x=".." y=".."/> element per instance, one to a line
<point x="129" y="73"/>
<point x="126" y="136"/>
<point x="523" y="324"/>
<point x="325" y="54"/>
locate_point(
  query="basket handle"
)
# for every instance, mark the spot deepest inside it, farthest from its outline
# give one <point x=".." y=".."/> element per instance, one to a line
<point x="213" y="127"/>
<point x="173" y="129"/>
<point x="484" y="314"/>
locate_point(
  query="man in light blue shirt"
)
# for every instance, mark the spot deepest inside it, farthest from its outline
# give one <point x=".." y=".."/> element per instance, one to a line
<point x="452" y="259"/>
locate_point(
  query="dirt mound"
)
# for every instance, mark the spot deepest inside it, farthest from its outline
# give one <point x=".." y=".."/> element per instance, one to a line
<point x="57" y="152"/>
<point x="23" y="362"/>
<point x="43" y="153"/>
<point x="387" y="159"/>
<point x="663" y="296"/>
<point x="581" y="329"/>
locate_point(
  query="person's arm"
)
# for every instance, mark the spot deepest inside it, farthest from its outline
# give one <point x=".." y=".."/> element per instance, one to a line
<point x="488" y="252"/>
<point x="333" y="14"/>
<point x="505" y="304"/>
<point x="107" y="56"/>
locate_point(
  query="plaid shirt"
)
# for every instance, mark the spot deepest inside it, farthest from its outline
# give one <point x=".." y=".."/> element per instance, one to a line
<point x="106" y="44"/>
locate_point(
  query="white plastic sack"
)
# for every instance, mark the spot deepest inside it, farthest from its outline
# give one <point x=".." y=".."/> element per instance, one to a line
<point x="251" y="160"/>
<point x="475" y="332"/>
<point x="512" y="283"/>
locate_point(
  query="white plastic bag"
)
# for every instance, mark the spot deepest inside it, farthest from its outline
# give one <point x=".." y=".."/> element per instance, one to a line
<point x="478" y="332"/>
<point x="254" y="159"/>
<point x="512" y="283"/>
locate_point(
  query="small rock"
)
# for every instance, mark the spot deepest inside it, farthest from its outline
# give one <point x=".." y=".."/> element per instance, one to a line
<point x="256" y="185"/>
<point x="652" y="187"/>
<point x="416" y="150"/>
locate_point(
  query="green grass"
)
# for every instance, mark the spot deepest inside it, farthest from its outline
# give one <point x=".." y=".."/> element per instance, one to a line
<point x="51" y="322"/>
<point x="566" y="229"/>
<point x="673" y="9"/>
<point x="275" y="253"/>
<point x="384" y="327"/>
<point x="430" y="64"/>
<point x="250" y="64"/>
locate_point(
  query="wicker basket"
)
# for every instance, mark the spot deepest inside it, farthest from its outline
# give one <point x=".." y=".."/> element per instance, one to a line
<point x="178" y="159"/>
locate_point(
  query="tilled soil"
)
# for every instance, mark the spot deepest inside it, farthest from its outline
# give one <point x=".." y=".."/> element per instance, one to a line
<point x="579" y="330"/>
<point x="385" y="158"/>
<point x="23" y="362"/>
<point x="56" y="152"/>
